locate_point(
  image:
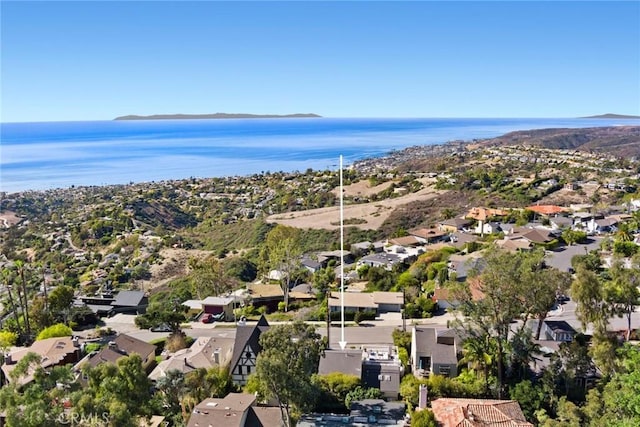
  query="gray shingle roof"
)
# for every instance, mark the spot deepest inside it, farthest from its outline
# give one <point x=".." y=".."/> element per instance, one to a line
<point x="345" y="361"/>
<point x="128" y="298"/>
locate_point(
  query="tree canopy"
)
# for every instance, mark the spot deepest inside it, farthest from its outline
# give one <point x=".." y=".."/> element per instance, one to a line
<point x="289" y="357"/>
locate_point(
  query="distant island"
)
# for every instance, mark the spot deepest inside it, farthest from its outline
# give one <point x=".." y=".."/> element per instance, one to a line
<point x="217" y="116"/>
<point x="611" y="116"/>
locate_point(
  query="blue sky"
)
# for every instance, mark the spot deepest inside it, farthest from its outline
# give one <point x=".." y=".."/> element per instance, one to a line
<point x="98" y="60"/>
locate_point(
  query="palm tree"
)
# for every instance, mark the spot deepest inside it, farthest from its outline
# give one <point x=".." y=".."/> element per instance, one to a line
<point x="8" y="280"/>
<point x="25" y="307"/>
<point x="624" y="233"/>
<point x="523" y="351"/>
<point x="477" y="354"/>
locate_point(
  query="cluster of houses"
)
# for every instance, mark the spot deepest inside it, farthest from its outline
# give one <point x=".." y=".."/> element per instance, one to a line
<point x="434" y="351"/>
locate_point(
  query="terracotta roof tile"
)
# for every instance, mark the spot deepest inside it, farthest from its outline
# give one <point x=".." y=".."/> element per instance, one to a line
<point x="478" y="412"/>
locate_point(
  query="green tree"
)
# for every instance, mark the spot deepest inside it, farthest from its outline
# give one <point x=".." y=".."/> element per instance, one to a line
<point x="209" y="277"/>
<point x="61" y="301"/>
<point x="283" y="250"/>
<point x="531" y="397"/>
<point x="240" y="268"/>
<point x="7" y="279"/>
<point x="361" y="393"/>
<point x="23" y="295"/>
<point x="571" y="237"/>
<point x="423" y="418"/>
<point x="334" y="388"/>
<point x="622" y="292"/>
<point x="410" y="389"/>
<point x="587" y="290"/>
<point x="172" y="313"/>
<point x="477" y="352"/>
<point x="170" y="389"/>
<point x="7" y="340"/>
<point x="323" y="279"/>
<point x="501" y="282"/>
<point x="289" y="357"/>
<point x="122" y="391"/>
<point x="39" y="315"/>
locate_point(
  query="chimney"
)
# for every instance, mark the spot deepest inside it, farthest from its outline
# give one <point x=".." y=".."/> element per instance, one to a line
<point x="76" y="342"/>
<point x="422" y="397"/>
<point x="8" y="359"/>
<point x="216" y="356"/>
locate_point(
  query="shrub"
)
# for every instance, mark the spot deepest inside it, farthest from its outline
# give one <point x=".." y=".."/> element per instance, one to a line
<point x="57" y="330"/>
<point x="626" y="249"/>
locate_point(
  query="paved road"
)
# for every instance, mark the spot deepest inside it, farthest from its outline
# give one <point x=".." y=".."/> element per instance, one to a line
<point x="370" y="332"/>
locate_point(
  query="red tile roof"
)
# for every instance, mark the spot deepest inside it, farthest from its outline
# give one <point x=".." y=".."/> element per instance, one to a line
<point x="481" y="214"/>
<point x="478" y="412"/>
<point x="546" y="209"/>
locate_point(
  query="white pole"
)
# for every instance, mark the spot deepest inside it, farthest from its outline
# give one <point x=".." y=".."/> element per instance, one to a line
<point x="342" y="343"/>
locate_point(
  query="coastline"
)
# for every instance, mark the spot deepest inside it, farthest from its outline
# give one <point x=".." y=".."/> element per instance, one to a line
<point x="87" y="154"/>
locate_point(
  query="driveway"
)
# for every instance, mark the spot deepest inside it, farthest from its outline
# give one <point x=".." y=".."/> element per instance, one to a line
<point x="561" y="257"/>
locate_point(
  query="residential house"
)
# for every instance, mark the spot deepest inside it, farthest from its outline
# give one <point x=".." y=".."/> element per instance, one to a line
<point x="367" y="412"/>
<point x="312" y="265"/>
<point x="405" y="241"/>
<point x="462" y="265"/>
<point x="303" y="292"/>
<point x="52" y="351"/>
<point x="98" y="304"/>
<point x="194" y="307"/>
<point x="603" y="225"/>
<point x="123" y="345"/>
<point x="445" y="298"/>
<point x="485" y="214"/>
<point x="348" y="361"/>
<point x="536" y="236"/>
<point x="547" y="210"/>
<point x="219" y="305"/>
<point x="378" y="412"/>
<point x="205" y="352"/>
<point x="453" y="225"/>
<point x="378" y="367"/>
<point x="265" y="295"/>
<point x="561" y="222"/>
<point x="428" y="235"/>
<point x="383" y="260"/>
<point x="451" y="412"/>
<point x="459" y="240"/>
<point x="379" y="302"/>
<point x="364" y="248"/>
<point x="382" y="369"/>
<point x="245" y="350"/>
<point x="558" y="330"/>
<point x="487" y="228"/>
<point x="514" y="245"/>
<point x="130" y="302"/>
<point x="337" y="255"/>
<point x="434" y="351"/>
<point x="234" y="410"/>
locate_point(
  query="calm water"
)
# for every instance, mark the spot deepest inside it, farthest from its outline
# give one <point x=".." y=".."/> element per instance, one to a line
<point x="60" y="154"/>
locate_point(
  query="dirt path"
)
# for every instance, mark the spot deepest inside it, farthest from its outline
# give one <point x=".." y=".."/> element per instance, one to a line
<point x="367" y="216"/>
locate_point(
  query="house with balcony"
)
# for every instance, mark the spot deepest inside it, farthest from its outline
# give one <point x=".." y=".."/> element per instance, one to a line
<point x="434" y="351"/>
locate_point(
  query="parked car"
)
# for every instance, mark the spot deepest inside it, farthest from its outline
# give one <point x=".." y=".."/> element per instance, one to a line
<point x="161" y="328"/>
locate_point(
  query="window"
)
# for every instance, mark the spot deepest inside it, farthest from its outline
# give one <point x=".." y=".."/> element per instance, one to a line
<point x="445" y="370"/>
<point x="425" y="363"/>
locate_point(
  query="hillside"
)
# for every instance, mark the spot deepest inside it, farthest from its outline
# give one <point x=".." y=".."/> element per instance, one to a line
<point x="622" y="141"/>
<point x="217" y="116"/>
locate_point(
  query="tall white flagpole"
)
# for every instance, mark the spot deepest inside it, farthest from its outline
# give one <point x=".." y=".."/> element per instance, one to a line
<point x="342" y="342"/>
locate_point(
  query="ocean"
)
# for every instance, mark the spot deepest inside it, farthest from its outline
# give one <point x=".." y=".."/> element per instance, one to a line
<point x="46" y="155"/>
